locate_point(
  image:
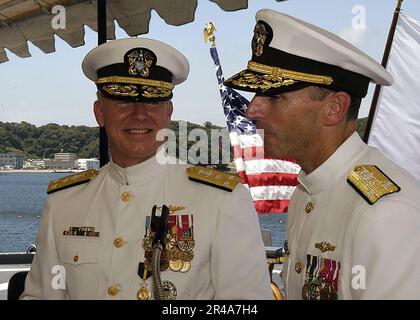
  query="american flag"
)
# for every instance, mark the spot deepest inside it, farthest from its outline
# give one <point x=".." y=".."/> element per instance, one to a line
<point x="270" y="181"/>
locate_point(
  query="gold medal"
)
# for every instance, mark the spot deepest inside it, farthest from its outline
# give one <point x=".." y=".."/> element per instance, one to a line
<point x="186" y="265"/>
<point x="169" y="290"/>
<point x="187" y="256"/>
<point x="175" y="253"/>
<point x="143" y="293"/>
<point x="175" y="265"/>
<point x="186" y="244"/>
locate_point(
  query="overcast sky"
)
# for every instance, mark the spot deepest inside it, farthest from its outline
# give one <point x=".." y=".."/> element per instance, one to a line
<point x="52" y="88"/>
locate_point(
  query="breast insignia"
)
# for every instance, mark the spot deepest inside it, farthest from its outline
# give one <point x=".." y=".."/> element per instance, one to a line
<point x="371" y="183"/>
<point x="72" y="180"/>
<point x="213" y="178"/>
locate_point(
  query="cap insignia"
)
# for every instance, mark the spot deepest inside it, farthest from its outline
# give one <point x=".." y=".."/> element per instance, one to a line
<point x="155" y="92"/>
<point x="140" y="62"/>
<point x="260" y="37"/>
<point x="116" y="89"/>
<point x="371" y="183"/>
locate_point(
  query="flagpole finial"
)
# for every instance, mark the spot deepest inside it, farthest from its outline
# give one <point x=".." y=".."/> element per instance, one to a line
<point x="209" y="34"/>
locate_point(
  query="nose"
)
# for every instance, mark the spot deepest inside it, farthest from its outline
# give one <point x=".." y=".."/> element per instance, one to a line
<point x="138" y="110"/>
<point x="254" y="109"/>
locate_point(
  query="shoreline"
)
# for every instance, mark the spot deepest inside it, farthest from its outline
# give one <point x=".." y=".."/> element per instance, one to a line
<point x="39" y="171"/>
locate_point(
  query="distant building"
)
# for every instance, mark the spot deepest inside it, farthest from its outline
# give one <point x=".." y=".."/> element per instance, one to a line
<point x="61" y="161"/>
<point x="34" y="164"/>
<point x="64" y="156"/>
<point x="85" y="164"/>
<point x="11" y="160"/>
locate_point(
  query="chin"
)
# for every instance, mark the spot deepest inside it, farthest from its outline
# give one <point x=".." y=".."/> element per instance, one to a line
<point x="273" y="152"/>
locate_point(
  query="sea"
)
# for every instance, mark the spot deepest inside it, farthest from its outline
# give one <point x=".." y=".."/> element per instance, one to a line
<point x="22" y="197"/>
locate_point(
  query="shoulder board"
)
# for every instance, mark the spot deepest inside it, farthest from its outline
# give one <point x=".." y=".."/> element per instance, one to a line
<point x="371" y="183"/>
<point x="213" y="178"/>
<point x="72" y="180"/>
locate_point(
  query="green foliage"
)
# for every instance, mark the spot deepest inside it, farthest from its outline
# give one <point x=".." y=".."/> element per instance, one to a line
<point x="44" y="141"/>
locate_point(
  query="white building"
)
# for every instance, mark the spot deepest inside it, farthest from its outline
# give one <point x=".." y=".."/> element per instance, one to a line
<point x="85" y="164"/>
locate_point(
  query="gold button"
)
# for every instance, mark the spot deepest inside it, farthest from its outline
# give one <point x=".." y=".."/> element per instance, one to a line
<point x="118" y="242"/>
<point x="76" y="258"/>
<point x="298" y="267"/>
<point x="125" y="196"/>
<point x="309" y="207"/>
<point x="113" y="291"/>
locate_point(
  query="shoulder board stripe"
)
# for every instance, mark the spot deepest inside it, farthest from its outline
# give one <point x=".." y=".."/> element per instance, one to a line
<point x="213" y="178"/>
<point x="371" y="183"/>
<point x="72" y="180"/>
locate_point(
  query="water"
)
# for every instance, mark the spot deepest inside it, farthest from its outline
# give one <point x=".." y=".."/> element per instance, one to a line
<point x="22" y="197"/>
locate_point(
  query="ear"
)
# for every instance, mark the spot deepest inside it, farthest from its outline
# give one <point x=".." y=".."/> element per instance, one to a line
<point x="337" y="106"/>
<point x="99" y="113"/>
<point x="170" y="110"/>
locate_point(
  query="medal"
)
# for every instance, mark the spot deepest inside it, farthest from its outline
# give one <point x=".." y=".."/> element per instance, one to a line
<point x="305" y="291"/>
<point x="186" y="265"/>
<point x="186" y="245"/>
<point x="175" y="253"/>
<point x="187" y="256"/>
<point x="175" y="265"/>
<point x="143" y="293"/>
<point x="169" y="290"/>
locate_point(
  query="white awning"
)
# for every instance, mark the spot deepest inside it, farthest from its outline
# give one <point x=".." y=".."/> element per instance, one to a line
<point x="30" y="20"/>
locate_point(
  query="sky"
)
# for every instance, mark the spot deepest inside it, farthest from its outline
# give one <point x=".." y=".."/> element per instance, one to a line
<point x="51" y="87"/>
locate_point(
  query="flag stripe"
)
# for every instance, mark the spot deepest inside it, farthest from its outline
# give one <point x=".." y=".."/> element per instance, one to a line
<point x="266" y="165"/>
<point x="271" y="192"/>
<point x="271" y="206"/>
<point x="270" y="179"/>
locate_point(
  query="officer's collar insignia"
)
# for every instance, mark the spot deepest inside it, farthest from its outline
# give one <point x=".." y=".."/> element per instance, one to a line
<point x="262" y="37"/>
<point x="140" y="62"/>
<point x="371" y="183"/>
<point x="324" y="246"/>
<point x="72" y="180"/>
<point x="213" y="178"/>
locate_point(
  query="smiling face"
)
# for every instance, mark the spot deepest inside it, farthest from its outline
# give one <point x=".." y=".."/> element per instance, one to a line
<point x="132" y="127"/>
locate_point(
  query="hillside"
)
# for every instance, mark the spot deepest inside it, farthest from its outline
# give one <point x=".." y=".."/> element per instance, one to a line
<point x="44" y="141"/>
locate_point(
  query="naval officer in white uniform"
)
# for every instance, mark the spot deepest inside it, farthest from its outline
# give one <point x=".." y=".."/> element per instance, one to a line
<point x="95" y="237"/>
<point x="354" y="219"/>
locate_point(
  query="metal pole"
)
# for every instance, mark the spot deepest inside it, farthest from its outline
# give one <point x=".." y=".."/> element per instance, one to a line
<point x="103" y="139"/>
<point x="385" y="57"/>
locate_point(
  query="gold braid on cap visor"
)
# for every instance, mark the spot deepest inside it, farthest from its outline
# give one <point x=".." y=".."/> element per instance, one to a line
<point x="151" y="88"/>
<point x="273" y="77"/>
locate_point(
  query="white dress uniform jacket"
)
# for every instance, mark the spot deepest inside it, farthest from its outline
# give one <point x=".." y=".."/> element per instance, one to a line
<point x="229" y="257"/>
<point x="335" y="236"/>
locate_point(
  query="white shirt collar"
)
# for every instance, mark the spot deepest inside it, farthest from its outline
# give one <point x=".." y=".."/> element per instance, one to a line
<point x="142" y="172"/>
<point x="335" y="167"/>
